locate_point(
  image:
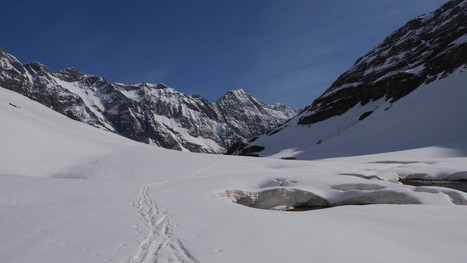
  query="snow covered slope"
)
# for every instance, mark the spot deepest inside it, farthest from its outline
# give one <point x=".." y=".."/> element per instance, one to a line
<point x="154" y="114"/>
<point x="73" y="193"/>
<point x="431" y="115"/>
<point x="409" y="91"/>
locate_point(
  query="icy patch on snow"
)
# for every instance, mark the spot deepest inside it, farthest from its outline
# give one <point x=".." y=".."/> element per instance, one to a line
<point x="347" y="187"/>
<point x="276" y="199"/>
<point x="291" y="198"/>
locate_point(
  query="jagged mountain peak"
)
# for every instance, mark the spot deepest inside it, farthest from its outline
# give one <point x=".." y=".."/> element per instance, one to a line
<point x="35" y="67"/>
<point x="6" y="56"/>
<point x="9" y="63"/>
<point x="240" y="101"/>
<point x="149" y="113"/>
<point x="242" y="96"/>
<point x="239" y="94"/>
<point x="161" y="86"/>
<point x="70" y="74"/>
<point x="154" y="86"/>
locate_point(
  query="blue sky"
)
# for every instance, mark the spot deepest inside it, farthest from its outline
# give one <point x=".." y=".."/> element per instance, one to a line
<point x="285" y="51"/>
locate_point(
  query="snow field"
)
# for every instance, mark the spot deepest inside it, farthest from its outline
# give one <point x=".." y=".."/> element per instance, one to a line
<point x="73" y="193"/>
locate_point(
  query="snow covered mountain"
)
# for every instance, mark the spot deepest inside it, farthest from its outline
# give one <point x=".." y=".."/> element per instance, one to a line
<point x="410" y="91"/>
<point x="153" y="114"/>
<point x="72" y="193"/>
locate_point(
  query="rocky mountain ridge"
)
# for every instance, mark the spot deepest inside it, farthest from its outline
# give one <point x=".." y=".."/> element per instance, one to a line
<point x="418" y="52"/>
<point x="149" y="113"/>
<point x="426" y="49"/>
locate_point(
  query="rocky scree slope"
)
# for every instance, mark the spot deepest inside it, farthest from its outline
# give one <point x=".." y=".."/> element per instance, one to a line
<point x="428" y="48"/>
<point x="149" y="113"/>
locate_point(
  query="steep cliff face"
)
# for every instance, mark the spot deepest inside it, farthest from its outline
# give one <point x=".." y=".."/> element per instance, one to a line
<point x="237" y="106"/>
<point x="149" y="113"/>
<point x="427" y="49"/>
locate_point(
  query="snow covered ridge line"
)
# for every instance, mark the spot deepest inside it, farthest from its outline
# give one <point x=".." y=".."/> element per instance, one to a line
<point x="391" y="81"/>
<point x="414" y="54"/>
<point x="148" y="113"/>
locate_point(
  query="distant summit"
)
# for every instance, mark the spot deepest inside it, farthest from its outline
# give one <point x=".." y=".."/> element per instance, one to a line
<point x="150" y="113"/>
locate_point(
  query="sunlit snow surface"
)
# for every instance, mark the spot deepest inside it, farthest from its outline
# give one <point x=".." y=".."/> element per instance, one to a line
<point x="73" y="193"/>
<point x="433" y="114"/>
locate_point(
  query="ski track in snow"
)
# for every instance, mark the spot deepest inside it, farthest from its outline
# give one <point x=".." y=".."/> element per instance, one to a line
<point x="204" y="169"/>
<point x="160" y="245"/>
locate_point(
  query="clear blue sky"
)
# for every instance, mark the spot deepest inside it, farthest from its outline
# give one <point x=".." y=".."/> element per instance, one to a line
<point x="285" y="51"/>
